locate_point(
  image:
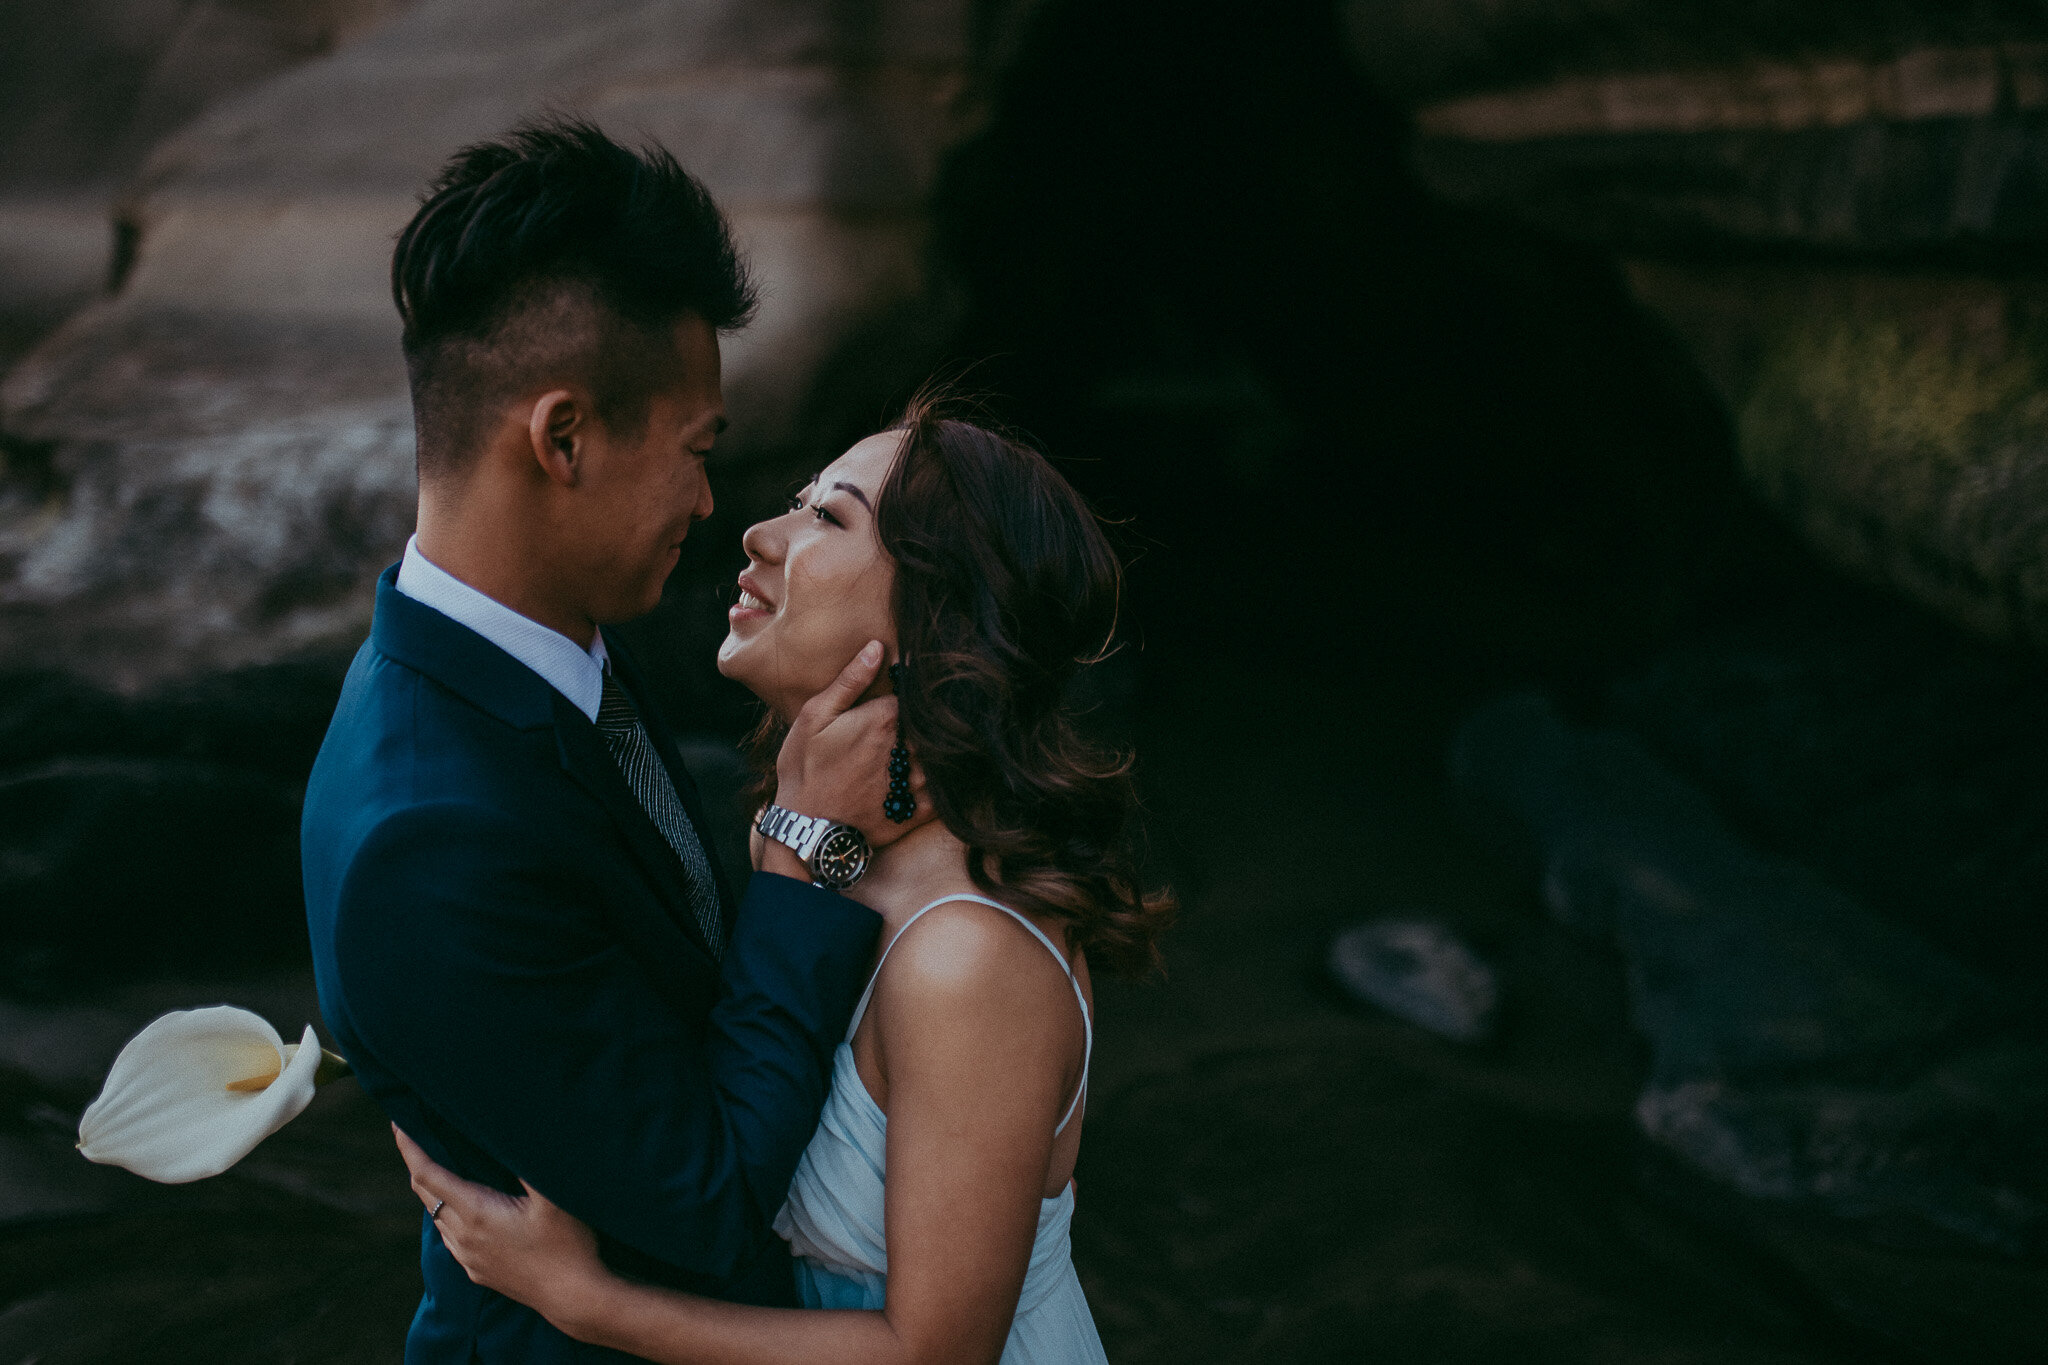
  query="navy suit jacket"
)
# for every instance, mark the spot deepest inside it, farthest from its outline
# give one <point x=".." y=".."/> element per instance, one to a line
<point x="505" y="954"/>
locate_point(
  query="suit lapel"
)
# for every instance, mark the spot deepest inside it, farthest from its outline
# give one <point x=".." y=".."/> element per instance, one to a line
<point x="590" y="764"/>
<point x="472" y="667"/>
<point x="458" y="659"/>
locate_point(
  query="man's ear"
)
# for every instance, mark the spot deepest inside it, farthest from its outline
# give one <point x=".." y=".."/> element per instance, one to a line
<point x="556" y="428"/>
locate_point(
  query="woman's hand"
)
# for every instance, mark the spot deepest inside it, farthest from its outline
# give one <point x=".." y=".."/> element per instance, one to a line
<point x="525" y="1248"/>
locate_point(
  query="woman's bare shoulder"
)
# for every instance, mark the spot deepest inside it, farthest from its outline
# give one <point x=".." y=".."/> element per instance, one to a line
<point x="973" y="1013"/>
<point x="963" y="953"/>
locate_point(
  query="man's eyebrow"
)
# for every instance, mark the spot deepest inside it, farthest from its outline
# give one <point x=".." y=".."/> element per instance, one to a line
<point x="857" y="493"/>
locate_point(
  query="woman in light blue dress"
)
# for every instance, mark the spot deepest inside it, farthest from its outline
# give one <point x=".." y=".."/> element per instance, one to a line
<point x="930" y="1214"/>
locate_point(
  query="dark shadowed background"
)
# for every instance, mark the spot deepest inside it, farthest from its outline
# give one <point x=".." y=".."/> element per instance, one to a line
<point x="1584" y="471"/>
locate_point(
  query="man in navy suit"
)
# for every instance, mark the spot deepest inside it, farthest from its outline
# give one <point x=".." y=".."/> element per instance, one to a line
<point x="521" y="939"/>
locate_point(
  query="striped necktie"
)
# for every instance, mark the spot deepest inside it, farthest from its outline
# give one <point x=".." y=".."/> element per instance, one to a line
<point x="633" y="751"/>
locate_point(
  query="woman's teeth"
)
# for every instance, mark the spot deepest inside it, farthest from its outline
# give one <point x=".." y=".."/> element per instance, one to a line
<point x="749" y="602"/>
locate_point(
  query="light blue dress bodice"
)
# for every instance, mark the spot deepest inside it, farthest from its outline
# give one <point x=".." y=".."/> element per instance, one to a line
<point x="833" y="1219"/>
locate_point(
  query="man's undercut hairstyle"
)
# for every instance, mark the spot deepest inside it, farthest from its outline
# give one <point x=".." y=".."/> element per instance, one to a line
<point x="554" y="256"/>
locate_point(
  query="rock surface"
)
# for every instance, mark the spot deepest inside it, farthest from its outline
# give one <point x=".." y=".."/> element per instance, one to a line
<point x="1890" y="417"/>
<point x="1805" y="1050"/>
<point x="1898" y="421"/>
<point x="92" y="86"/>
<point x="1933" y="148"/>
<point x="1904" y="761"/>
<point x="207" y="469"/>
<point x="1420" y="971"/>
<point x="153" y="834"/>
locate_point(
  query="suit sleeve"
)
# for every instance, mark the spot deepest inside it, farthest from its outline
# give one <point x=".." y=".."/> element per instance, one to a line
<point x="482" y="974"/>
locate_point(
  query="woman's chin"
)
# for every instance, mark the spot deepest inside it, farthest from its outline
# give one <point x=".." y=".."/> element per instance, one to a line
<point x="728" y="657"/>
<point x="733" y="663"/>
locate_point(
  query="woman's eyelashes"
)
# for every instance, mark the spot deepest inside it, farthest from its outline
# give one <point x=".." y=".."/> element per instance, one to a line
<point x="816" y="508"/>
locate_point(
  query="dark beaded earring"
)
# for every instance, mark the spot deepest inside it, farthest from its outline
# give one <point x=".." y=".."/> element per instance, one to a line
<point x="899" y="805"/>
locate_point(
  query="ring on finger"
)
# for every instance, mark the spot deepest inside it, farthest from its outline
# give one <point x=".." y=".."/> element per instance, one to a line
<point x="434" y="1214"/>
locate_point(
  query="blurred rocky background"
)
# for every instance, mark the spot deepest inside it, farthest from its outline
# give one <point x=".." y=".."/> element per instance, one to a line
<point x="1582" y="464"/>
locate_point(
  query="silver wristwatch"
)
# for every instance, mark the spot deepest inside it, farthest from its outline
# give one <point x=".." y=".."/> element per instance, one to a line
<point x="836" y="854"/>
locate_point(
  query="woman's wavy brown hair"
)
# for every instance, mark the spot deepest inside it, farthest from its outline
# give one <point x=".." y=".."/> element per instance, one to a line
<point x="1006" y="588"/>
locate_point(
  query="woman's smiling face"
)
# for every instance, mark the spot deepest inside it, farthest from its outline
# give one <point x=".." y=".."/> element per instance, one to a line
<point x="817" y="585"/>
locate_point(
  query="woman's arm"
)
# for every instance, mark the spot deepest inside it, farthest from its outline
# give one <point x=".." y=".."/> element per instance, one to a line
<point x="979" y="1047"/>
<point x="978" y="1038"/>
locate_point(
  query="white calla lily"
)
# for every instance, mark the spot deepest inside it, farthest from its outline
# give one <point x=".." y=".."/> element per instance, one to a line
<point x="194" y="1093"/>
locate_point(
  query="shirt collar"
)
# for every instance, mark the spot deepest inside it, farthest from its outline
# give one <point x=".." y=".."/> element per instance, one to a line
<point x="577" y="673"/>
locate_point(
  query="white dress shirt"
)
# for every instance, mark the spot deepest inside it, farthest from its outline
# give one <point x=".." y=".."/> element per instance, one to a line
<point x="577" y="673"/>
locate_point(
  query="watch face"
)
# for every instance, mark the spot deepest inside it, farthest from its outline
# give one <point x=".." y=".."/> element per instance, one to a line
<point x="841" y="857"/>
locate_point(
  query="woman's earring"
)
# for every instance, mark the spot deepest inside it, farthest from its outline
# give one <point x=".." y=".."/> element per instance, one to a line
<point x="899" y="805"/>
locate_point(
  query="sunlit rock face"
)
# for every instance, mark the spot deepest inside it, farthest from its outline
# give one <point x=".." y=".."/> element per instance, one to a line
<point x="193" y="492"/>
<point x="91" y="86"/>
<point x="1671" y="125"/>
<point x="1891" y="419"/>
<point x="207" y="469"/>
<point x="1899" y="421"/>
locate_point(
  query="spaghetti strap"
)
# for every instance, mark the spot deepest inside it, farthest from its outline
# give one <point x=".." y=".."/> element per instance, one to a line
<point x="860" y="1011"/>
<point x="1087" y="1020"/>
